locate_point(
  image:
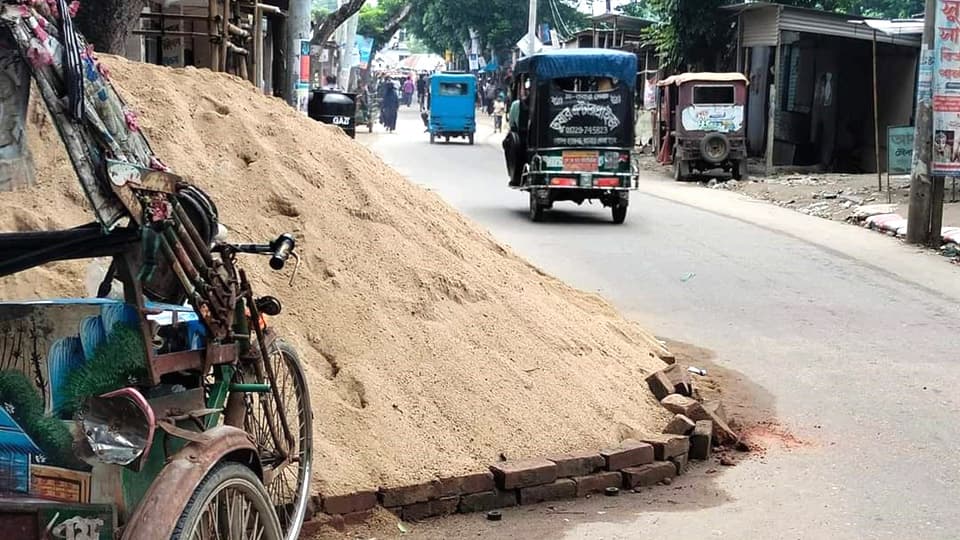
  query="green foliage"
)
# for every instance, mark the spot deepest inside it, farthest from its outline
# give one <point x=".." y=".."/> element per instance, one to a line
<point x="118" y="362"/>
<point x="446" y="24"/>
<point x="321" y="8"/>
<point x="374" y="19"/>
<point x="50" y="434"/>
<point x="687" y="38"/>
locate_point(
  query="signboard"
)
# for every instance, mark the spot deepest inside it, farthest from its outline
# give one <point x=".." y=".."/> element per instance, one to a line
<point x="581" y="160"/>
<point x="474" y="62"/>
<point x="946" y="89"/>
<point x="899" y="149"/>
<point x="524" y="44"/>
<point x="364" y="45"/>
<point x="587" y="118"/>
<point x="303" y="83"/>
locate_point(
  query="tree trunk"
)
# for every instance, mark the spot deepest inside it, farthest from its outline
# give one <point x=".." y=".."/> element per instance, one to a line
<point x="325" y="27"/>
<point x="108" y="23"/>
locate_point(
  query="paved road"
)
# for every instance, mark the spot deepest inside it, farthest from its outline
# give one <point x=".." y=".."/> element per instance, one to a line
<point x="850" y="338"/>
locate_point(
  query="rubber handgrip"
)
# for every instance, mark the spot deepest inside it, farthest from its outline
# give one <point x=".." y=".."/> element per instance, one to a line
<point x="281" y="251"/>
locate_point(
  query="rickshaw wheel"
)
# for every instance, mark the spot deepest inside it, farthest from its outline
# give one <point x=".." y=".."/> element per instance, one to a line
<point x="229" y="503"/>
<point x="289" y="489"/>
<point x="536" y="209"/>
<point x="619" y="213"/>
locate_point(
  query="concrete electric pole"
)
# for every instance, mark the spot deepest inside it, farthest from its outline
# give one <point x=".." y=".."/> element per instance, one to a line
<point x="925" y="213"/>
<point x="532" y="29"/>
<point x="297" y="30"/>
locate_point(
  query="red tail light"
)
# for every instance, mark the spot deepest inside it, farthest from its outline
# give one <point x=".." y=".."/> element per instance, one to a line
<point x="559" y="181"/>
<point x="607" y="182"/>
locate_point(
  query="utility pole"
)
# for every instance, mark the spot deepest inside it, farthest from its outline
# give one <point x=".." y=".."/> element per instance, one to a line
<point x="920" y="215"/>
<point x="297" y="29"/>
<point x="532" y="29"/>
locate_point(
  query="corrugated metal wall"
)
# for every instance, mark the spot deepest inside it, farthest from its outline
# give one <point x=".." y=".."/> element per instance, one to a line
<point x="824" y="24"/>
<point x="760" y="27"/>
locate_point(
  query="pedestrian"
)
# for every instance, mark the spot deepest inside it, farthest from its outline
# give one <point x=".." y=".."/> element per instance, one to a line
<point x="421" y="89"/>
<point x="491" y="95"/>
<point x="330" y="83"/>
<point x="499" y="109"/>
<point x="408" y="88"/>
<point x="389" y="105"/>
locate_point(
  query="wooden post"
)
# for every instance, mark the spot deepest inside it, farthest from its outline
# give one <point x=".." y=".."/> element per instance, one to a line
<point x="876" y="116"/>
<point x="224" y="34"/>
<point x="922" y="192"/>
<point x="772" y="113"/>
<point x="257" y="70"/>
<point x="212" y="12"/>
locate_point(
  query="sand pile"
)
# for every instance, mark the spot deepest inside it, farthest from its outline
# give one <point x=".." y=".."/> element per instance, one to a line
<point x="430" y="348"/>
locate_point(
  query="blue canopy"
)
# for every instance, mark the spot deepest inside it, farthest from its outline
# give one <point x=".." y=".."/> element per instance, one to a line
<point x="560" y="63"/>
<point x="492" y="65"/>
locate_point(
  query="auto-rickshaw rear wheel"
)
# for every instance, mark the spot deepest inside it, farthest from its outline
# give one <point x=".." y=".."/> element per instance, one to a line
<point x="229" y="503"/>
<point x="619" y="212"/>
<point x="470" y="138"/>
<point x="536" y="208"/>
<point x="433" y="138"/>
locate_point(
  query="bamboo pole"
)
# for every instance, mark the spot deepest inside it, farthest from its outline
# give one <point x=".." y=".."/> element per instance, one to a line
<point x="212" y="12"/>
<point x="876" y="116"/>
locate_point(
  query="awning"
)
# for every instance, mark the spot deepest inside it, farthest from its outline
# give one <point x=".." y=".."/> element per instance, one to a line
<point x="705" y="76"/>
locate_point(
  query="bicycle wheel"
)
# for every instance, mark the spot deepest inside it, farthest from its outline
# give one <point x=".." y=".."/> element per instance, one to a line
<point x="229" y="503"/>
<point x="288" y="480"/>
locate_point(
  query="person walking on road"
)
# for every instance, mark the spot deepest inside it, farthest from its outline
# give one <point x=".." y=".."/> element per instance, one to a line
<point x="408" y="88"/>
<point x="499" y="109"/>
<point x="421" y="89"/>
<point x="390" y="103"/>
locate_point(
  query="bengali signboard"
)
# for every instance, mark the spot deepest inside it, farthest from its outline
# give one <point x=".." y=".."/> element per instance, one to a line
<point x="946" y="89"/>
<point x="587" y="119"/>
<point x="899" y="149"/>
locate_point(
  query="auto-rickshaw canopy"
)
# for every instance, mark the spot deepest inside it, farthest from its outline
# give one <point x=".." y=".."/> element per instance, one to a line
<point x="562" y="63"/>
<point x="684" y="78"/>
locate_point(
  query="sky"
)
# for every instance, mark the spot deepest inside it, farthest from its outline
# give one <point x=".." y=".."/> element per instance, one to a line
<point x="599" y="6"/>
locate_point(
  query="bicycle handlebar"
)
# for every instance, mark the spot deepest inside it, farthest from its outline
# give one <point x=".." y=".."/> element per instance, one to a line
<point x="279" y="250"/>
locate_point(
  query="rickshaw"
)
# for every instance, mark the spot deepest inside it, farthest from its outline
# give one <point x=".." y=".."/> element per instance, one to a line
<point x="575" y="134"/>
<point x="702" y="123"/>
<point x="452" y="106"/>
<point x="367" y="110"/>
<point x="336" y="108"/>
<point x="167" y="406"/>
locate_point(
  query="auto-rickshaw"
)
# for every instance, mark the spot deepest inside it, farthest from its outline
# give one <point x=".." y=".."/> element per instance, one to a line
<point x="335" y="107"/>
<point x="575" y="133"/>
<point x="702" y="123"/>
<point x="453" y="106"/>
<point x="165" y="405"/>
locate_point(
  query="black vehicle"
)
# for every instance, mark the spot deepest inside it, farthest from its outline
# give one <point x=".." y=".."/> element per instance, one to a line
<point x="575" y="132"/>
<point x="335" y="107"/>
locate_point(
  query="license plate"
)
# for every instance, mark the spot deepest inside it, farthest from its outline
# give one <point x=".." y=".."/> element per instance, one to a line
<point x="581" y="160"/>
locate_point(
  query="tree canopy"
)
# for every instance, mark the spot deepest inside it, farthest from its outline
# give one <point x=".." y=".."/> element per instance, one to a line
<point x="686" y="39"/>
<point x="497" y="24"/>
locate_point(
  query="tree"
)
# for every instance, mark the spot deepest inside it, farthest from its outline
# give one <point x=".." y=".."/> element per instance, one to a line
<point x="382" y="21"/>
<point x="108" y="23"/>
<point x="326" y="25"/>
<point x="686" y="39"/>
<point x="496" y="24"/>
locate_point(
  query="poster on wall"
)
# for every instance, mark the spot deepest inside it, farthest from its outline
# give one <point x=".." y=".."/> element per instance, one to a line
<point x="946" y="89"/>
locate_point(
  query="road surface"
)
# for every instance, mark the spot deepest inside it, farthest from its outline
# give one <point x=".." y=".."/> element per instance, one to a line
<point x="849" y="338"/>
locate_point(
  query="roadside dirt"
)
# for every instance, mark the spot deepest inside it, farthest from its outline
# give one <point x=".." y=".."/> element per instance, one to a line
<point x="430" y="348"/>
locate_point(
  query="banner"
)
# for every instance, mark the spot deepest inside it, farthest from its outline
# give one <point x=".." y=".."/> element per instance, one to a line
<point x="946" y="89"/>
<point x="899" y="149"/>
<point x="364" y="45"/>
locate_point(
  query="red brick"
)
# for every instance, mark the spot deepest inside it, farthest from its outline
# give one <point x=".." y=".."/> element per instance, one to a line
<point x="352" y="502"/>
<point x="596" y="483"/>
<point x="426" y="509"/>
<point x="577" y="464"/>
<point x="722" y="433"/>
<point x="680" y="425"/>
<point x="668" y="446"/>
<point x="659" y="384"/>
<point x="488" y="500"/>
<point x="632" y="453"/>
<point x="523" y="473"/>
<point x="649" y="474"/>
<point x="561" y="489"/>
<point x="404" y="495"/>
<point x="680" y="462"/>
<point x="684" y="405"/>
<point x="716" y="407"/>
<point x="464" y="485"/>
<point x="679" y="378"/>
<point x="701" y="440"/>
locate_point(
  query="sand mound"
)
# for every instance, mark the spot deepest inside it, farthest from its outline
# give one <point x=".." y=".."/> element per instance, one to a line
<point x="430" y="348"/>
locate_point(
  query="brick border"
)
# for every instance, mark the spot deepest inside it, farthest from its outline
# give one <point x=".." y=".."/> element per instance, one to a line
<point x="633" y="464"/>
